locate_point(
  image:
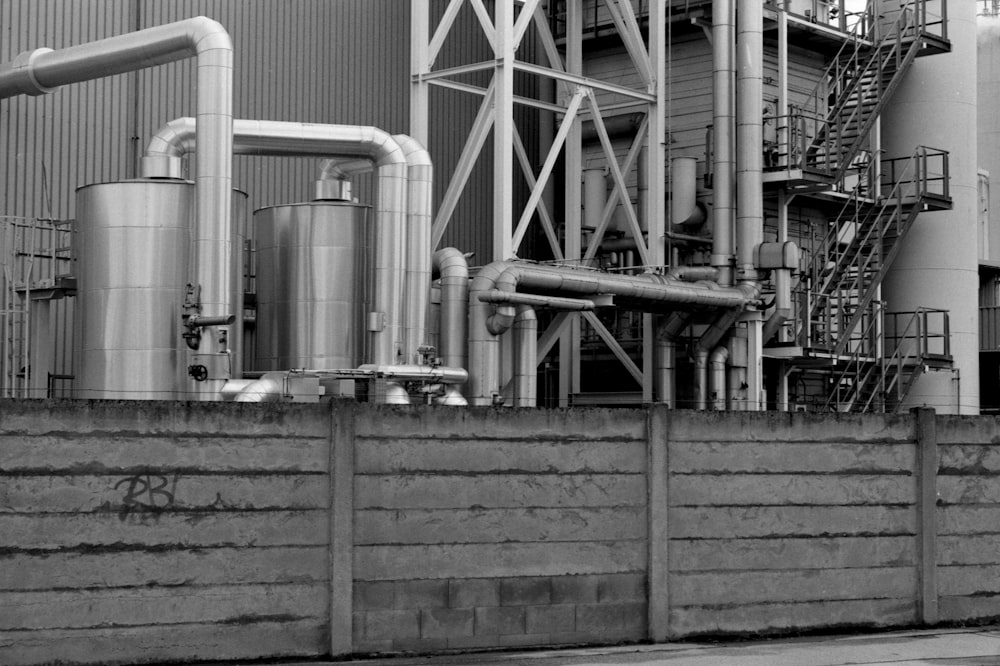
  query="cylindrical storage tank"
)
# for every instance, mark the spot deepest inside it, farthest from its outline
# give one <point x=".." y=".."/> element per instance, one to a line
<point x="937" y="266"/>
<point x="313" y="285"/>
<point x="131" y="246"/>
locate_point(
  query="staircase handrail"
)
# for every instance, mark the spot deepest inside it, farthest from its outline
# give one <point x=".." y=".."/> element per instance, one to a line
<point x="858" y="365"/>
<point x="917" y="322"/>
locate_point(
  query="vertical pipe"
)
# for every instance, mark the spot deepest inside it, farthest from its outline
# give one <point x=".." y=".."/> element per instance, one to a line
<point x="420" y="210"/>
<point x="739" y="391"/>
<point x="595" y="195"/>
<point x="723" y="120"/>
<point x="717" y="378"/>
<point x="749" y="136"/>
<point x="684" y="192"/>
<point x="664" y="378"/>
<point x="451" y="265"/>
<point x="701" y="378"/>
<point x="526" y="351"/>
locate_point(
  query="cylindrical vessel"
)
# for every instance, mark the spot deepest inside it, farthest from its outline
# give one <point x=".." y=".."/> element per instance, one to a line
<point x="313" y="285"/>
<point x="132" y="249"/>
<point x="937" y="266"/>
<point x="131" y="246"/>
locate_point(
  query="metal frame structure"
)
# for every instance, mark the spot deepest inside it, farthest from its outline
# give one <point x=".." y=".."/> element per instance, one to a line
<point x="576" y="100"/>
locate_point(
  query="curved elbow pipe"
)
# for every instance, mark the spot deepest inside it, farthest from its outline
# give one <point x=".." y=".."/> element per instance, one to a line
<point x="453" y="269"/>
<point x="271" y="137"/>
<point x="684" y="207"/>
<point x="420" y="213"/>
<point x="268" y="388"/>
<point x="43" y="70"/>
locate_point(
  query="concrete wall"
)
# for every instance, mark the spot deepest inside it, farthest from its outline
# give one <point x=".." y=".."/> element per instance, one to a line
<point x="140" y="532"/>
<point x="497" y="529"/>
<point x="154" y="532"/>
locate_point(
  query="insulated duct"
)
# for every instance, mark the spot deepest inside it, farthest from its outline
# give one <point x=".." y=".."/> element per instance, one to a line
<point x="723" y="122"/>
<point x="43" y="70"/>
<point x="450" y="264"/>
<point x="420" y="182"/>
<point x="264" y="137"/>
<point x="684" y="207"/>
<point x="665" y="379"/>
<point x="526" y="352"/>
<point x="717" y="377"/>
<point x="749" y="137"/>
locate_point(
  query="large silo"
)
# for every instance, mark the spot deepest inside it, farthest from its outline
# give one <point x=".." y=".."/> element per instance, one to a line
<point x="938" y="263"/>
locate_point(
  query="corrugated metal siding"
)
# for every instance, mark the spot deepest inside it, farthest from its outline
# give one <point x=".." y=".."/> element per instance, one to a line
<point x="300" y="60"/>
<point x="52" y="144"/>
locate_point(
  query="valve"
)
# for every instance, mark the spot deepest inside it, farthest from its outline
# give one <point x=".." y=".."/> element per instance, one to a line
<point x="198" y="372"/>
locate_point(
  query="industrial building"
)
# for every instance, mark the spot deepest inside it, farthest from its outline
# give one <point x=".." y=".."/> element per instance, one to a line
<point x="290" y="292"/>
<point x="795" y="223"/>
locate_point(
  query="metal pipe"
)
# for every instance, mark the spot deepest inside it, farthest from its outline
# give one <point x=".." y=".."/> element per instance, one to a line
<point x="525" y="362"/>
<point x="701" y="378"/>
<point x="684" y="208"/>
<point x="270" y="137"/>
<point x="595" y="195"/>
<point x="648" y="289"/>
<point x="414" y="372"/>
<point x="694" y="273"/>
<point x="723" y="121"/>
<point x="749" y="136"/>
<point x="664" y="379"/>
<point x="717" y="377"/>
<point x="420" y="191"/>
<point x="451" y="265"/>
<point x="647" y="292"/>
<point x="335" y="178"/>
<point x="268" y="388"/>
<point x="419" y="217"/>
<point x="782" y="304"/>
<point x="739" y="356"/>
<point x="43" y="70"/>
<point x="497" y="296"/>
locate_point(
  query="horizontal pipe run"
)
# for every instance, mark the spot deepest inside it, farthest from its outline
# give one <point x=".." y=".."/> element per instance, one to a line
<point x="647" y="292"/>
<point x="412" y="372"/>
<point x="535" y="300"/>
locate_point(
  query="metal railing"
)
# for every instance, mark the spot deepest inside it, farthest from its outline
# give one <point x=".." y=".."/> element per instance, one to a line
<point x="988" y="7"/>
<point x="911" y="340"/>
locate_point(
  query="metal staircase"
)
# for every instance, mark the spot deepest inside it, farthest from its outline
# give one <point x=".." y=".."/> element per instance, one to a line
<point x="827" y="135"/>
<point x="915" y="343"/>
